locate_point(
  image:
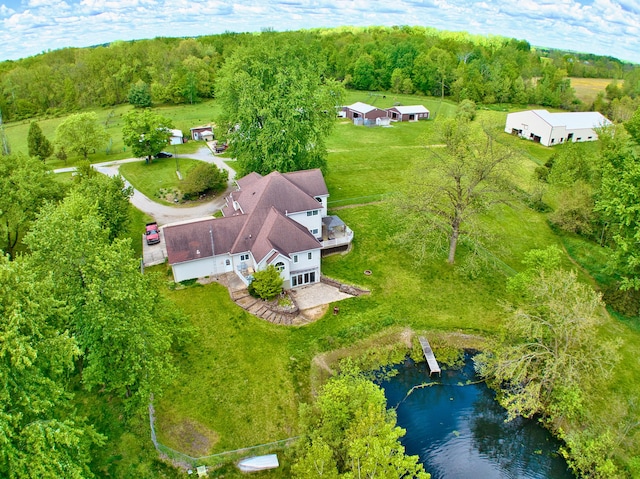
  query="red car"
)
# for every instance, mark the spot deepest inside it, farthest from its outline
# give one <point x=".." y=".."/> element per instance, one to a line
<point x="152" y="234"/>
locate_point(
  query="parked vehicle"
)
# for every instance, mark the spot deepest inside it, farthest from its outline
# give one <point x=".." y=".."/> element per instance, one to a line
<point x="164" y="154"/>
<point x="152" y="234"/>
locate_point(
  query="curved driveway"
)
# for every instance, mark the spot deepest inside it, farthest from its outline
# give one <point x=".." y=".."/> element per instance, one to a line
<point x="164" y="214"/>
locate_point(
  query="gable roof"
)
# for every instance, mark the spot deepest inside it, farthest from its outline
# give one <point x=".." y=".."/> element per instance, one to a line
<point x="573" y="120"/>
<point x="281" y="234"/>
<point x="407" y="110"/>
<point x="288" y="193"/>
<point x="362" y="107"/>
<point x="264" y="226"/>
<point x="200" y="239"/>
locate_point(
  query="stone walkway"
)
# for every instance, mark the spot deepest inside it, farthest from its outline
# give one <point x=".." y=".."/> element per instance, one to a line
<point x="312" y="301"/>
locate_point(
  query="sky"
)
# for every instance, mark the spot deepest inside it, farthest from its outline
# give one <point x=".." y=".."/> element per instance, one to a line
<point x="605" y="27"/>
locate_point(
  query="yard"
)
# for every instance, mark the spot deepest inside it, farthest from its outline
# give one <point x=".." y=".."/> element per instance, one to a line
<point x="241" y="379"/>
<point x="158" y="180"/>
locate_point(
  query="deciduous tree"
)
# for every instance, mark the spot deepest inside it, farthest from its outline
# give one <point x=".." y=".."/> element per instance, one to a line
<point x="617" y="202"/>
<point x="81" y="133"/>
<point x="25" y="185"/>
<point x="146" y="132"/>
<point x="123" y="326"/>
<point x="278" y="106"/>
<point x="351" y="434"/>
<point x="41" y="436"/>
<point x="450" y="189"/>
<point x="550" y="353"/>
<point x="267" y="283"/>
<point x="204" y="178"/>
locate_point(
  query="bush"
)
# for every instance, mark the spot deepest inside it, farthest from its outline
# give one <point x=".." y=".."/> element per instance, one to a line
<point x="204" y="178"/>
<point x="466" y="110"/>
<point x="266" y="284"/>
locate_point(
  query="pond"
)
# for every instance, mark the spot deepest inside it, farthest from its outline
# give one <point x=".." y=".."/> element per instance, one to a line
<point x="459" y="430"/>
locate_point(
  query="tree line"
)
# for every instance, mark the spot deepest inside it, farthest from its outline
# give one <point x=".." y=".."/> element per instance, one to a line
<point x="400" y="59"/>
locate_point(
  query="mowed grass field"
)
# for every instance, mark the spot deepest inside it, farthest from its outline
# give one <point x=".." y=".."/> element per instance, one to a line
<point x="184" y="117"/>
<point x="241" y="379"/>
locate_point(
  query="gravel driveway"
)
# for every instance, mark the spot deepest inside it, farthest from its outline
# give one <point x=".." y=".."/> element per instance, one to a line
<point x="164" y="214"/>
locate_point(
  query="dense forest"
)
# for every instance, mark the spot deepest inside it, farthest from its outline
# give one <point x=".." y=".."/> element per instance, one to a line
<point x="486" y="70"/>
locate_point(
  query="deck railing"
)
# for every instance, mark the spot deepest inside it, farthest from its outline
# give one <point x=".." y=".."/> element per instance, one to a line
<point x="340" y="240"/>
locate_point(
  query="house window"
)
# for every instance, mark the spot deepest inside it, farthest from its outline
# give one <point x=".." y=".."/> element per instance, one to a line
<point x="315" y="212"/>
<point x="310" y="255"/>
<point x="280" y="266"/>
<point x="295" y="258"/>
<point x="318" y="199"/>
<point x="244" y="257"/>
<point x="227" y="262"/>
<point x="314" y="231"/>
<point x="303" y="278"/>
<point x="309" y="213"/>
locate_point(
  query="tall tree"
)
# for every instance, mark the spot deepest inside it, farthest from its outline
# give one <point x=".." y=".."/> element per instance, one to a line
<point x="618" y="203"/>
<point x="111" y="197"/>
<point x="350" y="433"/>
<point x="25" y="185"/>
<point x="41" y="436"/>
<point x="146" y="132"/>
<point x="39" y="146"/>
<point x="550" y="354"/>
<point x="81" y="133"/>
<point x="123" y="326"/>
<point x="140" y="95"/>
<point x="449" y="190"/>
<point x="278" y="105"/>
<point x="633" y="126"/>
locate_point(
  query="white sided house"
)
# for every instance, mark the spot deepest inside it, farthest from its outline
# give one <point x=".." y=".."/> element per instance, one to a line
<point x="408" y="113"/>
<point x="551" y="129"/>
<point x="269" y="220"/>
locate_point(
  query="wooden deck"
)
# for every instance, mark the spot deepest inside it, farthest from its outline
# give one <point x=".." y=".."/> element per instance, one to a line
<point x="430" y="357"/>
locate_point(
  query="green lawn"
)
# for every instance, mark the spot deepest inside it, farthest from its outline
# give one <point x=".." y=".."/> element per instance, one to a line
<point x="252" y="374"/>
<point x="184" y="117"/>
<point x="241" y="379"/>
<point x="159" y="177"/>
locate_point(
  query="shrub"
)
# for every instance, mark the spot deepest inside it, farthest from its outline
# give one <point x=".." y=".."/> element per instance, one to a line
<point x="204" y="178"/>
<point x="266" y="284"/>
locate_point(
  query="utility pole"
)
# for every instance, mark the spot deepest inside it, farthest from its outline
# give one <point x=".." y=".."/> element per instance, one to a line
<point x="5" y="149"/>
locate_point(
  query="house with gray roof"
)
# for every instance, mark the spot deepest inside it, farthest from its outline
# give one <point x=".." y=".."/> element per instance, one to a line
<point x="551" y="129"/>
<point x="277" y="219"/>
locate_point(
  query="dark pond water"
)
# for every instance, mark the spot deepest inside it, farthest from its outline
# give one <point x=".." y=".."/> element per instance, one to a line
<point x="458" y="429"/>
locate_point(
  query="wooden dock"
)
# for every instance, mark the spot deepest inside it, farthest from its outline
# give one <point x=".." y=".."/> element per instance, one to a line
<point x="430" y="357"/>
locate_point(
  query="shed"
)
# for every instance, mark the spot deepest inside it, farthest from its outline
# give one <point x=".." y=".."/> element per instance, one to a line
<point x="408" y="113"/>
<point x="204" y="133"/>
<point x="551" y="129"/>
<point x="176" y="137"/>
<point x="364" y="112"/>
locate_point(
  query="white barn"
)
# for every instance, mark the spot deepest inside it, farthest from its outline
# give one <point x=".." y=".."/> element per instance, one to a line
<point x="551" y="129"/>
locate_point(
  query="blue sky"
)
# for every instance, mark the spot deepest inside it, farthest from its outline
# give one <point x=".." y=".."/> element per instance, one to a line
<point x="28" y="27"/>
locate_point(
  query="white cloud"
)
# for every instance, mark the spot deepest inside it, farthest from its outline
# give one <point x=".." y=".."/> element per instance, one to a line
<point x="609" y="27"/>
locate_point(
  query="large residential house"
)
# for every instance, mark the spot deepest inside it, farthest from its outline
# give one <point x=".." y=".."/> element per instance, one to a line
<point x="277" y="219"/>
<point x="551" y="129"/>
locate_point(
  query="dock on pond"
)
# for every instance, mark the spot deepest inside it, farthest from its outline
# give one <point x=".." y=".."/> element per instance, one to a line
<point x="430" y="357"/>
